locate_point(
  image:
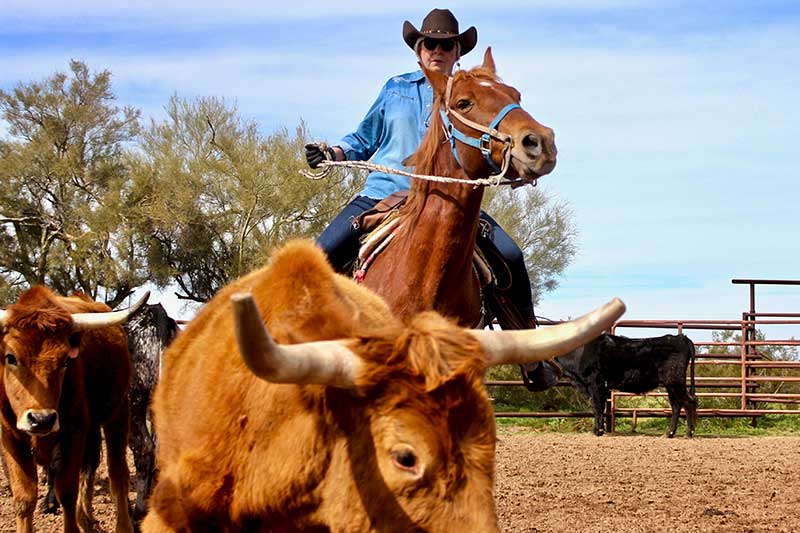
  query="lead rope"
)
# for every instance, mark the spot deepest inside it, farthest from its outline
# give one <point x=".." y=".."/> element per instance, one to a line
<point x="490" y="132"/>
<point x="328" y="166"/>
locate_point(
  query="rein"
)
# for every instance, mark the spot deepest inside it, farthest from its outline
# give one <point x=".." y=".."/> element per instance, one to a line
<point x="482" y="143"/>
<point x="328" y="166"/>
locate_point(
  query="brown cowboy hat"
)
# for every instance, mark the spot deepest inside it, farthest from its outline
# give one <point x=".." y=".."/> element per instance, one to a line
<point x="440" y="24"/>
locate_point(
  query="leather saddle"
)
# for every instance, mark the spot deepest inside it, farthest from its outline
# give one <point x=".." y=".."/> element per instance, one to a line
<point x="378" y="225"/>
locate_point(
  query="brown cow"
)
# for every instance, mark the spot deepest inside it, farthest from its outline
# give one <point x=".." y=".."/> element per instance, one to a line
<point x="65" y="374"/>
<point x="356" y="422"/>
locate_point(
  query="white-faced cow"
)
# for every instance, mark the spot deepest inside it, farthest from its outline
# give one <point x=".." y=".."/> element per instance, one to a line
<point x="634" y="365"/>
<point x="149" y="331"/>
<point x="296" y="401"/>
<point x="65" y="374"/>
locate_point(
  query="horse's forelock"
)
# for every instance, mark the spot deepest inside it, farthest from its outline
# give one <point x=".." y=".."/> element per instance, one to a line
<point x="483" y="73"/>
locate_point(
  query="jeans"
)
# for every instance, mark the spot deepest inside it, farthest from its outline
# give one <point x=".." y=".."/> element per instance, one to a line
<point x="340" y="242"/>
<point x="521" y="286"/>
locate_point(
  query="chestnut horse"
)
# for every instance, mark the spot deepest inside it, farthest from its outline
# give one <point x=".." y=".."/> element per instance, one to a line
<point x="428" y="264"/>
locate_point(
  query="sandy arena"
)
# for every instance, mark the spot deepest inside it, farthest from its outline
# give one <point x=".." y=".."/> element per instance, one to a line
<point x="580" y="483"/>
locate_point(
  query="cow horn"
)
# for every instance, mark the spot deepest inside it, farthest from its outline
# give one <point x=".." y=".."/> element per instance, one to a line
<point x="84" y="321"/>
<point x="531" y="345"/>
<point x="320" y="362"/>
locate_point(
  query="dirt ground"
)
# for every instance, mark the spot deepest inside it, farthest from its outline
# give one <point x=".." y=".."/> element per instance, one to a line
<point x="581" y="483"/>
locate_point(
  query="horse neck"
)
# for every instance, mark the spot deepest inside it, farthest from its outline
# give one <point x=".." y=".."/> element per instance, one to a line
<point x="440" y="234"/>
<point x="447" y="210"/>
<point x="434" y="249"/>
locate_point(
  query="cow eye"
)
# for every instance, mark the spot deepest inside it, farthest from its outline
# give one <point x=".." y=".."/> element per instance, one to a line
<point x="75" y="340"/>
<point x="405" y="459"/>
<point x="463" y="104"/>
<point x="11" y="360"/>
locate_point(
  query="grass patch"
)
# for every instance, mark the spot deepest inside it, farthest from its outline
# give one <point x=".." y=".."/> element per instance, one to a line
<point x="767" y="425"/>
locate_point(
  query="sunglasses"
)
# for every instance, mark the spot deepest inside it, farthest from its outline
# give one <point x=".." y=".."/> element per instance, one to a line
<point x="446" y="45"/>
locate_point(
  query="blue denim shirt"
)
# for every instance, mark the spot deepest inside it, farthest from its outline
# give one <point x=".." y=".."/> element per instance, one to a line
<point x="391" y="131"/>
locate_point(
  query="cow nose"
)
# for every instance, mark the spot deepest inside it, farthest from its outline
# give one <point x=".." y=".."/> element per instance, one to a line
<point x="41" y="421"/>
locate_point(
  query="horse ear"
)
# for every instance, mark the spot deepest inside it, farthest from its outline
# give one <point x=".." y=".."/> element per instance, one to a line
<point x="437" y="80"/>
<point x="488" y="60"/>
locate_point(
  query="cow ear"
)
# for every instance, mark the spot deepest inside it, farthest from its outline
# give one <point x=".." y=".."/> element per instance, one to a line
<point x="74" y="345"/>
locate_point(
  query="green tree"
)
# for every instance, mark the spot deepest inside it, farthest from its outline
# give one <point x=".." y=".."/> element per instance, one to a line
<point x="219" y="195"/>
<point x="542" y="227"/>
<point x="63" y="175"/>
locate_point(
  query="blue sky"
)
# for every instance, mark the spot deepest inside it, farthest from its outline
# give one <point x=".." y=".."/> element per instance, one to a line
<point x="676" y="122"/>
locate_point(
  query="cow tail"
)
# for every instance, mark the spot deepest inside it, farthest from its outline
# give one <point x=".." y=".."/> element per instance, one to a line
<point x="691" y="372"/>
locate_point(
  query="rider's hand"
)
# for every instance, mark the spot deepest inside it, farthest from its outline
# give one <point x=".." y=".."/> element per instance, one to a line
<point x="316" y="154"/>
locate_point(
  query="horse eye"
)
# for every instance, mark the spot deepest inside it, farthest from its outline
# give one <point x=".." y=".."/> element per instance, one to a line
<point x="463" y="104"/>
<point x="11" y="360"/>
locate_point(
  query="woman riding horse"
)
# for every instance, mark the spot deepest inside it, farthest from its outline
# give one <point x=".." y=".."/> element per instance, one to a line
<point x="390" y="132"/>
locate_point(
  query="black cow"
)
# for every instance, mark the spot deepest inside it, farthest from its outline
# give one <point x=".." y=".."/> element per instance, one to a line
<point x="634" y="365"/>
<point x="149" y="332"/>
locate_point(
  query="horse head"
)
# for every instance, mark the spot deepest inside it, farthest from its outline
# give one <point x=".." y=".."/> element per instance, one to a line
<point x="489" y="133"/>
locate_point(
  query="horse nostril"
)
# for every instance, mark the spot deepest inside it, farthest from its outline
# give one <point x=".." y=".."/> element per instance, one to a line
<point x="530" y="141"/>
<point x="532" y="145"/>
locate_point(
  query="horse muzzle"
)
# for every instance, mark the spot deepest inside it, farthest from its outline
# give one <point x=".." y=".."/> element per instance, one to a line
<point x="534" y="153"/>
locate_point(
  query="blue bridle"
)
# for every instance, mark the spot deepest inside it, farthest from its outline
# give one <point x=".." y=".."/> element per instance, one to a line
<point x="482" y="143"/>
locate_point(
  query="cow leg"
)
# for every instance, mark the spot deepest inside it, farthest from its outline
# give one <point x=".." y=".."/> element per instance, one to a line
<point x="49" y="504"/>
<point x="144" y="452"/>
<point x="91" y="460"/>
<point x="599" y="400"/>
<point x="116" y="433"/>
<point x="21" y="471"/>
<point x="67" y="477"/>
<point x="676" y="412"/>
<point x="691" y="414"/>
